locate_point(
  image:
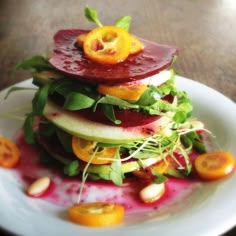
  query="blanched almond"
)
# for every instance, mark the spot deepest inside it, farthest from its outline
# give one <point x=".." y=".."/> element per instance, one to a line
<point x="152" y="192"/>
<point x="39" y="186"/>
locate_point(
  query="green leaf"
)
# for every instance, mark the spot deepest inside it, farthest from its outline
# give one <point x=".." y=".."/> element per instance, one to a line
<point x="187" y="142"/>
<point x="124" y="22"/>
<point x="109" y="113"/>
<point x="91" y="15"/>
<point x="149" y="97"/>
<point x="38" y="63"/>
<point x="116" y="102"/>
<point x="116" y="174"/>
<point x="200" y="147"/>
<point x="77" y="101"/>
<point x="72" y="168"/>
<point x="180" y="117"/>
<point x="40" y="99"/>
<point x="159" y="177"/>
<point x="29" y="129"/>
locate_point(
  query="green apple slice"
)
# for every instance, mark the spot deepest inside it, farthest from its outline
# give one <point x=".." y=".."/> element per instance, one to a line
<point x="77" y="125"/>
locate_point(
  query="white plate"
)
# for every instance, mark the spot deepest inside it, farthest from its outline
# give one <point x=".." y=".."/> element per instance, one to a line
<point x="210" y="215"/>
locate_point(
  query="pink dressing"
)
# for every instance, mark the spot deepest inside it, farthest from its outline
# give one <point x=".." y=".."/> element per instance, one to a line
<point x="63" y="190"/>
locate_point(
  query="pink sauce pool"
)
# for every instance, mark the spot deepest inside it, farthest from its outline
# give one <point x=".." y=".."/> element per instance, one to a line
<point x="63" y="190"/>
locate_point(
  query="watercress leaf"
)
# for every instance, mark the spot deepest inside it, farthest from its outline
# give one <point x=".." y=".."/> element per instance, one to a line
<point x="160" y="178"/>
<point x="38" y="63"/>
<point x="116" y="174"/>
<point x="40" y="99"/>
<point x="116" y="102"/>
<point x="180" y="117"/>
<point x="77" y="101"/>
<point x="149" y="97"/>
<point x="29" y="129"/>
<point x="91" y="15"/>
<point x="124" y="22"/>
<point x="193" y="135"/>
<point x="61" y="86"/>
<point x="109" y="113"/>
<point x="72" y="168"/>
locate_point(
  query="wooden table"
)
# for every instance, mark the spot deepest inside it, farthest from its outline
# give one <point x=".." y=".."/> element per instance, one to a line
<point x="204" y="32"/>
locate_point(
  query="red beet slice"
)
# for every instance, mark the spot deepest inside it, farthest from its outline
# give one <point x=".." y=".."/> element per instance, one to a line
<point x="128" y="118"/>
<point x="70" y="59"/>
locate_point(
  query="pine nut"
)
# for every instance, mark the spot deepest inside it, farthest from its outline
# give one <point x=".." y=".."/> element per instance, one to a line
<point x="39" y="186"/>
<point x="152" y="192"/>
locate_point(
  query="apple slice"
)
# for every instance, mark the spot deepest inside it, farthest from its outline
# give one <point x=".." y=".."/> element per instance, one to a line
<point x="75" y="124"/>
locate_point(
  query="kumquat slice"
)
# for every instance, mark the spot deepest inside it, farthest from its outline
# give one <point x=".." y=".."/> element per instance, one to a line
<point x="85" y="151"/>
<point x="96" y="214"/>
<point x="214" y="165"/>
<point x="107" y="44"/>
<point x="9" y="153"/>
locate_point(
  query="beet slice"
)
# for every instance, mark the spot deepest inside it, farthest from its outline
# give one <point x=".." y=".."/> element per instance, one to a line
<point x="128" y="118"/>
<point x="70" y="60"/>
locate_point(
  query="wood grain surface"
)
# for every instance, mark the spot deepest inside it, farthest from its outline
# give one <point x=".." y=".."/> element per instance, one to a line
<point x="204" y="31"/>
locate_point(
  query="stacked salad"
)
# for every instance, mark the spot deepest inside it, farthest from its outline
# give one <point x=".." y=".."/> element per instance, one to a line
<point x="107" y="106"/>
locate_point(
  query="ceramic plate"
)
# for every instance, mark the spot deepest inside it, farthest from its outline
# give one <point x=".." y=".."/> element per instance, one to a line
<point x="211" y="211"/>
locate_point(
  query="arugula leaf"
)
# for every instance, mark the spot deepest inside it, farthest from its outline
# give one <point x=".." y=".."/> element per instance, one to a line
<point x="116" y="174"/>
<point x="38" y="63"/>
<point x="91" y="15"/>
<point x="109" y="113"/>
<point x="195" y="140"/>
<point x="200" y="147"/>
<point x="124" y="22"/>
<point x="40" y="99"/>
<point x="159" y="177"/>
<point x="149" y="97"/>
<point x="72" y="168"/>
<point x="77" y="101"/>
<point x="29" y="129"/>
<point x="116" y="102"/>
